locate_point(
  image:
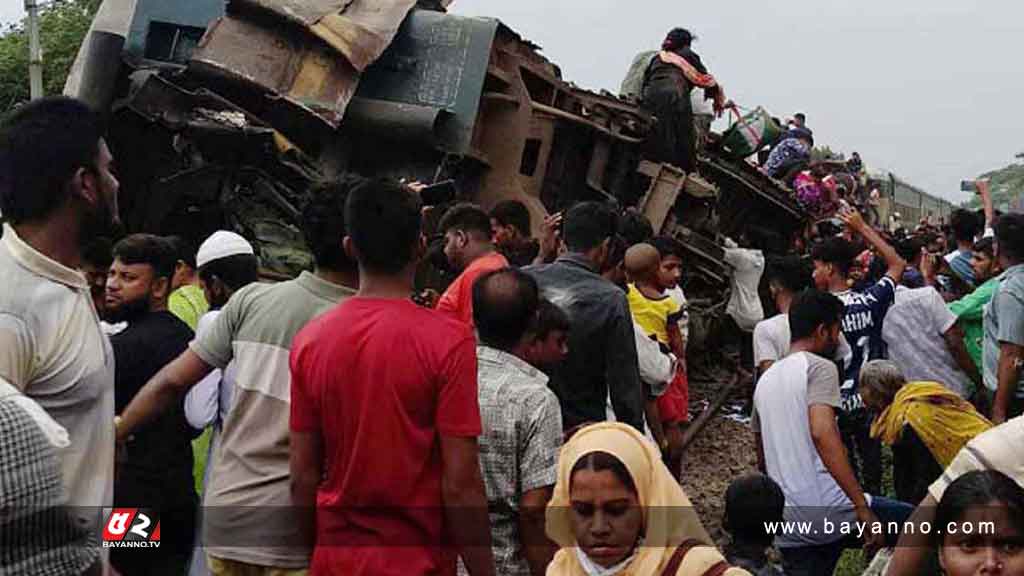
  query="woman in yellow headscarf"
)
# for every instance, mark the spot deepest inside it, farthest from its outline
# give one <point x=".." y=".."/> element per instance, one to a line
<point x="616" y="510"/>
<point x="925" y="423"/>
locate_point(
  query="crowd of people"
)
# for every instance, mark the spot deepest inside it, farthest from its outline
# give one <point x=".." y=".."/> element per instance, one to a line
<point x="529" y="420"/>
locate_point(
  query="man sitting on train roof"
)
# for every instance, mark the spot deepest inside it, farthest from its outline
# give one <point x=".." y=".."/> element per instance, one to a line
<point x="791" y="155"/>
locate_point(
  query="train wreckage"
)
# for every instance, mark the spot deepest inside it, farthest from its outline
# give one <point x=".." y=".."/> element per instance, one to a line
<point x="222" y="117"/>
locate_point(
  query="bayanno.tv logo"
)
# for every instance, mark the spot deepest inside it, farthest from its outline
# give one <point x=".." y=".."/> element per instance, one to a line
<point x="131" y="528"/>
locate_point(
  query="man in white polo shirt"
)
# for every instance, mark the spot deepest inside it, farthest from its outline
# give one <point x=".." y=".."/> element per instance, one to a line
<point x="57" y="193"/>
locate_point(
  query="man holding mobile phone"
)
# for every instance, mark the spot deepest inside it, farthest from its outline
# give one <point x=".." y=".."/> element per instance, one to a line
<point x="469" y="249"/>
<point x="967" y="229"/>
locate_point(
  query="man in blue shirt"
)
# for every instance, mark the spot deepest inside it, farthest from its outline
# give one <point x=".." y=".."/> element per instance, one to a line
<point x="862" y="327"/>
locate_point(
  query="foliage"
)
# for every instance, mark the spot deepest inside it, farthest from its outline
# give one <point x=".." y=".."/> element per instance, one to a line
<point x="1007" y="186"/>
<point x="63" y="25"/>
<point x="820" y="153"/>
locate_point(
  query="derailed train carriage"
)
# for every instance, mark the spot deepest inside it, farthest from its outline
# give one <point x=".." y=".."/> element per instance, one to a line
<point x="221" y="118"/>
<point x="910" y="202"/>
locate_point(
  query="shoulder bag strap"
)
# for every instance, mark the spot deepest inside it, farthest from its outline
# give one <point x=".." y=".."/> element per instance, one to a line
<point x="677" y="557"/>
<point x="680" y="554"/>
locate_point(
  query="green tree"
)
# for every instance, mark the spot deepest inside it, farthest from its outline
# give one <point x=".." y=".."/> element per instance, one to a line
<point x="823" y="153"/>
<point x="63" y="25"/>
<point x="1007" y="185"/>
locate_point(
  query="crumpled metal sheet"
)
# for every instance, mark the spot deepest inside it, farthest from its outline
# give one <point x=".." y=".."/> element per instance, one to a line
<point x="303" y="12"/>
<point x="302" y="72"/>
<point x="159" y="99"/>
<point x="314" y="75"/>
<point x="359" y="29"/>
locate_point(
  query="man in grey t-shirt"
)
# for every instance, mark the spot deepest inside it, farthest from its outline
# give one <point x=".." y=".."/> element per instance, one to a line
<point x="1004" y="323"/>
<point x="800" y="447"/>
<point x="250" y="521"/>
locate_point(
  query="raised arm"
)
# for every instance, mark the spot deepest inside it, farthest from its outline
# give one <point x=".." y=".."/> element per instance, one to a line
<point x="985" y="191"/>
<point x="855" y="221"/>
<point x="550" y="239"/>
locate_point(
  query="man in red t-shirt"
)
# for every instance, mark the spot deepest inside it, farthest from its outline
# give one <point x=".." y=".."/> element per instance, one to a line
<point x="468" y="247"/>
<point x="384" y="413"/>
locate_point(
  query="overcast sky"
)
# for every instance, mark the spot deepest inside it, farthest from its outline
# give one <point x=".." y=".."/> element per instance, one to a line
<point x="11" y="11"/>
<point x="930" y="89"/>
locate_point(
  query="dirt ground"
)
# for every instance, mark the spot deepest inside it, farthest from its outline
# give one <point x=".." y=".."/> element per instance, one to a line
<point x="723" y="451"/>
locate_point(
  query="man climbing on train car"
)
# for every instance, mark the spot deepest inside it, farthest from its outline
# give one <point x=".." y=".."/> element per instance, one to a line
<point x="669" y="78"/>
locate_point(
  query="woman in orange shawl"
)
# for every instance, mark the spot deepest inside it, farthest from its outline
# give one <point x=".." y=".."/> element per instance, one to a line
<point x="668" y="81"/>
<point x="925" y="423"/>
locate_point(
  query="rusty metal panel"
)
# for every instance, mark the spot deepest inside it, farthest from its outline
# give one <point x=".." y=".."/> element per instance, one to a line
<point x="699" y="187"/>
<point x="304" y="12"/>
<point x="302" y="72"/>
<point x="666" y="184"/>
<point x="360" y="30"/>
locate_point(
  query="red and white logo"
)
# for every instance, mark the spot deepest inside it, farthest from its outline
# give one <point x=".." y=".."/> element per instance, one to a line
<point x="131" y="528"/>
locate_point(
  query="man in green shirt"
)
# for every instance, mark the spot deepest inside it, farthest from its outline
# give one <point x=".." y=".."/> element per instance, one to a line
<point x="187" y="301"/>
<point x="970" y="309"/>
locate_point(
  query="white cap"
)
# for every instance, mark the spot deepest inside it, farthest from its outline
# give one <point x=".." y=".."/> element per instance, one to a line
<point x="222" y="244"/>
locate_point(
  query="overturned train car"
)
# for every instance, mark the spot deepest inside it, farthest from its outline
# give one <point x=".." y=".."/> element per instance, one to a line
<point x="222" y="119"/>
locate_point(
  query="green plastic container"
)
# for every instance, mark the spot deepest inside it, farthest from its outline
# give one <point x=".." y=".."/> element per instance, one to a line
<point x="750" y="134"/>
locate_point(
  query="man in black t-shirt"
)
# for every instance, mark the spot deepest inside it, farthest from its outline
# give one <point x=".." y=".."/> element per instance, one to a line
<point x="156" y="474"/>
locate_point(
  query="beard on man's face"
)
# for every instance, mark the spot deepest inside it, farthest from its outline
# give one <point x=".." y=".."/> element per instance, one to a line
<point x="126" y="311"/>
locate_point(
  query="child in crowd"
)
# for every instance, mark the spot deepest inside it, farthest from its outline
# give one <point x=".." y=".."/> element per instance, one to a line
<point x="676" y="401"/>
<point x="654" y="310"/>
<point x="669" y="276"/>
<point x="752" y="503"/>
<point x="657" y="314"/>
<point x="550" y="335"/>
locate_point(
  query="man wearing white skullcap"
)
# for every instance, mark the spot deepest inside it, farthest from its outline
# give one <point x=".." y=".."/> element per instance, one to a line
<point x="249" y="520"/>
<point x="226" y="262"/>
